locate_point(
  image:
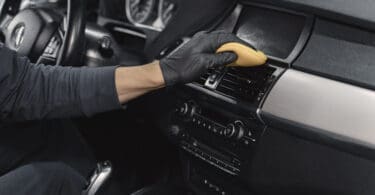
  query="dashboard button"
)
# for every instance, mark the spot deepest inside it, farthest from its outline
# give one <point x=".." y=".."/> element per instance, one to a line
<point x="215" y="129"/>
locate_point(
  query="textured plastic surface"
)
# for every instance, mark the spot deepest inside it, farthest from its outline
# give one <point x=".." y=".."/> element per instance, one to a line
<point x="246" y="56"/>
<point x="359" y="13"/>
<point x="340" y="52"/>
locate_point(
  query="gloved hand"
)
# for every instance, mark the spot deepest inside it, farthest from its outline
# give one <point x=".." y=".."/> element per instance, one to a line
<point x="193" y="59"/>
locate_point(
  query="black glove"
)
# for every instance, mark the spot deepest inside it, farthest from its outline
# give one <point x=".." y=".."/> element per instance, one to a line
<point x="193" y="59"/>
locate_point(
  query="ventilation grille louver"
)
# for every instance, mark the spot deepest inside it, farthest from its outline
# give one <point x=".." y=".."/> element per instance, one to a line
<point x="202" y="80"/>
<point x="248" y="84"/>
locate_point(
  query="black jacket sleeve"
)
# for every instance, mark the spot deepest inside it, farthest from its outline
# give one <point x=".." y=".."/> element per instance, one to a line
<point x="33" y="92"/>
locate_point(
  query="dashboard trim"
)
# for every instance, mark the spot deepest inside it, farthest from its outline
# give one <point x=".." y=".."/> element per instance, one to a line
<point x="330" y="108"/>
<point x="130" y="32"/>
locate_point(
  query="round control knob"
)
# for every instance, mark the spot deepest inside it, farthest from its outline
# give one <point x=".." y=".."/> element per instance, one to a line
<point x="234" y="130"/>
<point x="183" y="109"/>
<point x="187" y="109"/>
<point x="230" y="130"/>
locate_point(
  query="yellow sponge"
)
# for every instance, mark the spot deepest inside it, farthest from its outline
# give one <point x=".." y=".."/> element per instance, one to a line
<point x="247" y="57"/>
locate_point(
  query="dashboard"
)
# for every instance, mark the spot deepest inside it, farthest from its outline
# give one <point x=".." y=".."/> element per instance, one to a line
<point x="302" y="124"/>
<point x="290" y="127"/>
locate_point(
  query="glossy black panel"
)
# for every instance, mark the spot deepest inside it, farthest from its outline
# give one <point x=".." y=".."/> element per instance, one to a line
<point x="274" y="32"/>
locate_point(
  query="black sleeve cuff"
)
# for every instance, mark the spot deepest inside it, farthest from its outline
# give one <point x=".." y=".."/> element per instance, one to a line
<point x="98" y="90"/>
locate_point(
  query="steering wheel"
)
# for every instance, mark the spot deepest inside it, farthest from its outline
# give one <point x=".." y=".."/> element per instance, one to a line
<point x="43" y="34"/>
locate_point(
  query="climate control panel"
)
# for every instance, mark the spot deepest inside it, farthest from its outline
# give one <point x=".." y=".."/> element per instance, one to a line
<point x="236" y="130"/>
<point x="221" y="139"/>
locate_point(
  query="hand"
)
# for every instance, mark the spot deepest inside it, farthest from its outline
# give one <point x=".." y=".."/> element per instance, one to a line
<point x="193" y="59"/>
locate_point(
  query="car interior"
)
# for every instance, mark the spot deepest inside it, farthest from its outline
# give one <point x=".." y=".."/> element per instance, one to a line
<point x="301" y="124"/>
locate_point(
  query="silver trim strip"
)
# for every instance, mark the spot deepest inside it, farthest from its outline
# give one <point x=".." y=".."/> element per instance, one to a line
<point x="130" y="32"/>
<point x="336" y="109"/>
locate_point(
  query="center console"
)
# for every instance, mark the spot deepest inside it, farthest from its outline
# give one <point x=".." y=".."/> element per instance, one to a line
<point x="216" y="122"/>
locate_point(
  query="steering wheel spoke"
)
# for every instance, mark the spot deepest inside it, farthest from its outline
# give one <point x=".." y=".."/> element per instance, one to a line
<point x="52" y="51"/>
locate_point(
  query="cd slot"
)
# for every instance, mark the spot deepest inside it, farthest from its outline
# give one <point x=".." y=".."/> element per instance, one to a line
<point x="227" y="164"/>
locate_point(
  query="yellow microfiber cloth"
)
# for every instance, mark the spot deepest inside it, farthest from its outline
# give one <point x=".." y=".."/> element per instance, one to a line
<point x="247" y="56"/>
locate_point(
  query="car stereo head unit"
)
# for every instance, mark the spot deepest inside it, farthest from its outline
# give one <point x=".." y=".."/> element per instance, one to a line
<point x="211" y="134"/>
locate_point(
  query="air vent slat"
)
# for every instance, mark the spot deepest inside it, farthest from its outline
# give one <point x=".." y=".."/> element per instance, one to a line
<point x="244" y="83"/>
<point x="227" y="88"/>
<point x="240" y="83"/>
<point x="229" y="81"/>
<point x="202" y="79"/>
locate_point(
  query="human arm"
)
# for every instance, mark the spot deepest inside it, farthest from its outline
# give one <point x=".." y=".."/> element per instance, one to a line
<point x="183" y="66"/>
<point x="33" y="92"/>
<point x="134" y="81"/>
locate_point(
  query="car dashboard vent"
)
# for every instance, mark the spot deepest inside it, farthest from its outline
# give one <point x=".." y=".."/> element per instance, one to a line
<point x="247" y="84"/>
<point x="202" y="80"/>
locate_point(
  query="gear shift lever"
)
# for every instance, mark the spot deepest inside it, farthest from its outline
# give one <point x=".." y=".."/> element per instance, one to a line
<point x="100" y="176"/>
